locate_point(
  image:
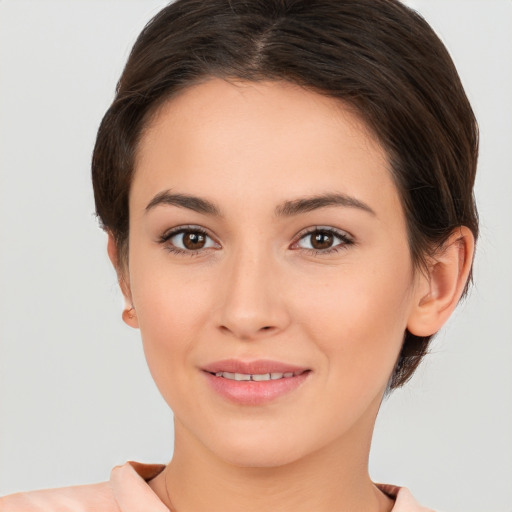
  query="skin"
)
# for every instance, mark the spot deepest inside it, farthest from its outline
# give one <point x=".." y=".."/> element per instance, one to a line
<point x="256" y="290"/>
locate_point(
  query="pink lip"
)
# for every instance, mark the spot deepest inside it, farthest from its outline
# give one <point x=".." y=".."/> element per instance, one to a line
<point x="260" y="366"/>
<point x="254" y="392"/>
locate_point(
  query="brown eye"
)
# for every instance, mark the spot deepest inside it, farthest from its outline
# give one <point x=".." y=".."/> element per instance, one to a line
<point x="324" y="240"/>
<point x="193" y="240"/>
<point x="321" y="240"/>
<point x="188" y="240"/>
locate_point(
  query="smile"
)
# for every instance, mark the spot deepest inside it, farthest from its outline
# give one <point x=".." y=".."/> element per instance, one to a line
<point x="254" y="383"/>
<point x="258" y="377"/>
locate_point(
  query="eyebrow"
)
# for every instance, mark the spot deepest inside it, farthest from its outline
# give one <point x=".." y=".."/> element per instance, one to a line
<point x="308" y="204"/>
<point x="184" y="201"/>
<point x="285" y="209"/>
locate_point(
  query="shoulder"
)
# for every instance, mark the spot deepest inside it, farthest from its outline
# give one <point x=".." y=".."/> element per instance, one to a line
<point x="127" y="491"/>
<point x="82" y="498"/>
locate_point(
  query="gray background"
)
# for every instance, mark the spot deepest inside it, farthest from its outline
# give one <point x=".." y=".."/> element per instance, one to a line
<point x="75" y="395"/>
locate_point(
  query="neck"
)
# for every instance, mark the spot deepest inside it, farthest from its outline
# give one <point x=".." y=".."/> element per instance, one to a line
<point x="334" y="478"/>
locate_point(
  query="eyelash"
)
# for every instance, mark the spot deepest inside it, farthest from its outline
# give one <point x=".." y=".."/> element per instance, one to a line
<point x="164" y="239"/>
<point x="346" y="240"/>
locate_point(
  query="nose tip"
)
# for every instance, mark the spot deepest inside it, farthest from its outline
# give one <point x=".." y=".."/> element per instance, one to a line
<point x="252" y="306"/>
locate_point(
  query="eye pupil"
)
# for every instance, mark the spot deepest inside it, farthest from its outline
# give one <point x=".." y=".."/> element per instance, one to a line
<point x="321" y="240"/>
<point x="193" y="240"/>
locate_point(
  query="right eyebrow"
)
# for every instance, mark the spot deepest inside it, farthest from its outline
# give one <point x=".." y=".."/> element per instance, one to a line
<point x="190" y="202"/>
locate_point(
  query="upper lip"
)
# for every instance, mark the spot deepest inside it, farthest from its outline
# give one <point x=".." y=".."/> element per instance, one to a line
<point x="257" y="367"/>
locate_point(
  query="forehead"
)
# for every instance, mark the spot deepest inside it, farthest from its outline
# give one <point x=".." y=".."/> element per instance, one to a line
<point x="268" y="108"/>
<point x="265" y="140"/>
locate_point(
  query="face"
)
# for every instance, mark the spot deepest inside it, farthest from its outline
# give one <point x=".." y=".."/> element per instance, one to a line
<point x="269" y="270"/>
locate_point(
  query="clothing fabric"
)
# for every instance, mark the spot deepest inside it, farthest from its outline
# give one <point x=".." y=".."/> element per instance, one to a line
<point x="128" y="491"/>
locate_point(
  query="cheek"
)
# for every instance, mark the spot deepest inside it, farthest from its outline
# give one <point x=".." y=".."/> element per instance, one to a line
<point x="358" y="319"/>
<point x="171" y="310"/>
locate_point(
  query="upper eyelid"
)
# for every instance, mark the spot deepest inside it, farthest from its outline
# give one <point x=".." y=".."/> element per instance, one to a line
<point x="181" y="229"/>
<point x="313" y="229"/>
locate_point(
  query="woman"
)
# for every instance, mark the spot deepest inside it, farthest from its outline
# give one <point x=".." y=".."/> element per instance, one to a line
<point x="287" y="192"/>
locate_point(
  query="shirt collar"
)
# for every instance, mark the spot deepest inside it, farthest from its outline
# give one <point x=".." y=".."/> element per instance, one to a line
<point x="130" y="488"/>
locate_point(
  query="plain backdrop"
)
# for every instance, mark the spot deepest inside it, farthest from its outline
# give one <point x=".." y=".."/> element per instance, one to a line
<point x="75" y="395"/>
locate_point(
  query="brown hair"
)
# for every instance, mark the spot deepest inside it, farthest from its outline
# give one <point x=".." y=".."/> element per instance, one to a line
<point x="378" y="56"/>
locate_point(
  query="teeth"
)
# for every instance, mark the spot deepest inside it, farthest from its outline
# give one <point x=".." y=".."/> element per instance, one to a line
<point x="255" y="377"/>
<point x="265" y="376"/>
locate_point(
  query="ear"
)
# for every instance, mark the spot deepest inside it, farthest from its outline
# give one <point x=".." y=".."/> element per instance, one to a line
<point x="129" y="313"/>
<point x="438" y="291"/>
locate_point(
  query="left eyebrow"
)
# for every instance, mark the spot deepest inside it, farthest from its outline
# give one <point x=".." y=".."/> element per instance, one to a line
<point x="308" y="204"/>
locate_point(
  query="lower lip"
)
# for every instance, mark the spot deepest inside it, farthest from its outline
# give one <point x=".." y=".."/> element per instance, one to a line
<point x="255" y="392"/>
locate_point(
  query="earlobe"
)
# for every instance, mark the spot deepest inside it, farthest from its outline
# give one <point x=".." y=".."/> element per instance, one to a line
<point x="129" y="314"/>
<point x="130" y="317"/>
<point x="438" y="291"/>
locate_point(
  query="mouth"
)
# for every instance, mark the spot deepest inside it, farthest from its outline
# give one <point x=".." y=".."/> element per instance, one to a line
<point x="257" y="377"/>
<point x="256" y="382"/>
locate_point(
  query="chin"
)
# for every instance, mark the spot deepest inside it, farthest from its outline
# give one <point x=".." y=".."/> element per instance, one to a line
<point x="266" y="450"/>
<point x="261" y="458"/>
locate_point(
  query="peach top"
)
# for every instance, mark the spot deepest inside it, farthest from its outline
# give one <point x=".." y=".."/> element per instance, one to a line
<point x="128" y="491"/>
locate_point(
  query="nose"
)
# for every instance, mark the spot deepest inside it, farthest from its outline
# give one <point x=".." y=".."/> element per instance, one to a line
<point x="252" y="304"/>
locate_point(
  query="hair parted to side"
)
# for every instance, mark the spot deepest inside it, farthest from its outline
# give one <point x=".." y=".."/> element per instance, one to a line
<point x="378" y="56"/>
